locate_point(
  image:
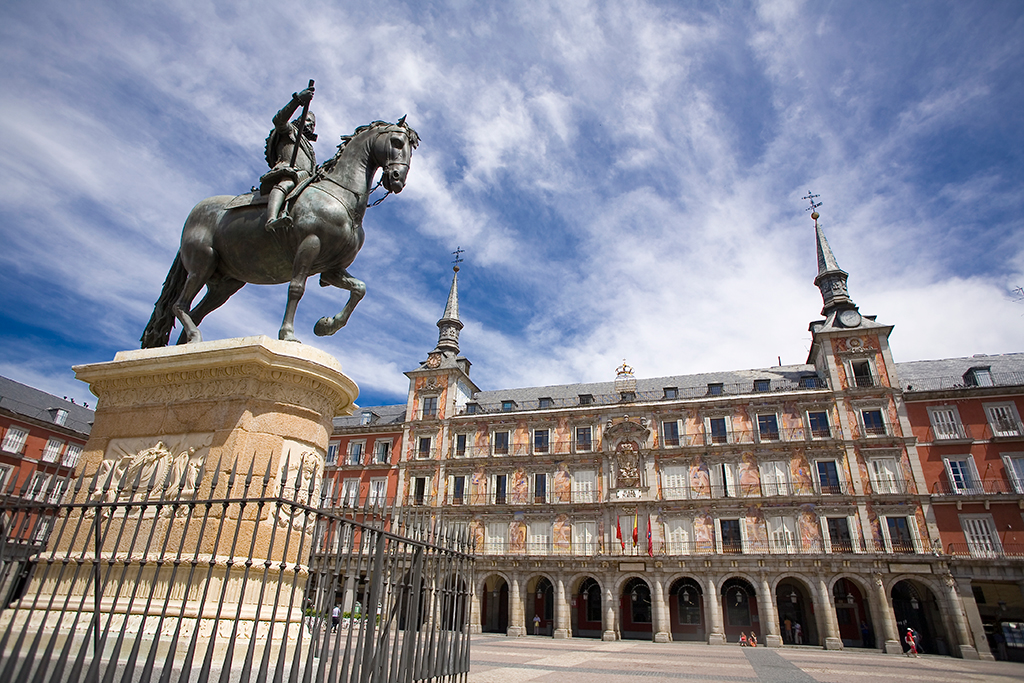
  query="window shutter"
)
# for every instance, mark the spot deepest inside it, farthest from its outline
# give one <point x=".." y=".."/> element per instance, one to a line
<point x="915" y="534"/>
<point x="825" y="537"/>
<point x="976" y="484"/>
<point x="717" y="481"/>
<point x="718" y="535"/>
<point x="729" y="476"/>
<point x="851" y="522"/>
<point x="1015" y="471"/>
<point x="743" y="534"/>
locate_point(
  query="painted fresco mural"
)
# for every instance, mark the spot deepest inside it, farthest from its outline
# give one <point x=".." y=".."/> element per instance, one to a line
<point x="700" y="479"/>
<point x="561" y="484"/>
<point x="476" y="532"/>
<point x="478" y="487"/>
<point x="808" y="527"/>
<point x="519" y="488"/>
<point x="704" y="531"/>
<point x="561" y="534"/>
<point x="800" y="473"/>
<point x="757" y="531"/>
<point x="749" y="475"/>
<point x="517" y="537"/>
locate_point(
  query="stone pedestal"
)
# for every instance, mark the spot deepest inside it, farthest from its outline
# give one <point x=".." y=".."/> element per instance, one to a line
<point x="194" y="432"/>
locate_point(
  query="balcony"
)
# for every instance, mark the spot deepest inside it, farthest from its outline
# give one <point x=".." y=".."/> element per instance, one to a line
<point x="889" y="486"/>
<point x="985" y="487"/>
<point x="1004" y="429"/>
<point x="986" y="550"/>
<point x="950" y="433"/>
<point x="999" y="379"/>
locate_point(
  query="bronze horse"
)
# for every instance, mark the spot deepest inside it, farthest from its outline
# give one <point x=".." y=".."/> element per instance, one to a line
<point x="224" y="248"/>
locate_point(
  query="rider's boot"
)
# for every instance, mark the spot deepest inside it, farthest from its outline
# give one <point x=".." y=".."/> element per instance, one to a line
<point x="274" y="203"/>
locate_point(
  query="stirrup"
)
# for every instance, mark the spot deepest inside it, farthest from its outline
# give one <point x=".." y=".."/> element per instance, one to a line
<point x="279" y="222"/>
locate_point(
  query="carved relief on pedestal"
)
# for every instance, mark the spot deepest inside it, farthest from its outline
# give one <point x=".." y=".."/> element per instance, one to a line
<point x="300" y="475"/>
<point x="151" y="468"/>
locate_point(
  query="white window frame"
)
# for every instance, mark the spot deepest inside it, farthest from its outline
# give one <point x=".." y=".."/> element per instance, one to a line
<point x="349" y="496"/>
<point x="778" y="426"/>
<point x="675" y="482"/>
<point x="776" y="478"/>
<point x="37" y="489"/>
<point x="584" y="538"/>
<point x="679" y="434"/>
<point x="886" y="427"/>
<point x="538" y="537"/>
<point x="1014" y="464"/>
<point x="744" y="535"/>
<point x="14" y="440"/>
<point x="53" y="449"/>
<point x="945" y="423"/>
<point x="533" y="440"/>
<point x="729" y="438"/>
<point x="915" y="534"/>
<point x="351" y="458"/>
<point x="495" y="538"/>
<point x="494" y="442"/>
<point x="378" y="493"/>
<point x="455" y="445"/>
<point x="679" y="535"/>
<point x="451" y="489"/>
<point x="418" y="451"/>
<point x="987" y="546"/>
<point x="1012" y="426"/>
<point x="44" y="529"/>
<point x="885" y="484"/>
<point x="828" y="420"/>
<point x="533" y="488"/>
<point x="333" y="448"/>
<point x="724" y="478"/>
<point x="583" y="486"/>
<point x="423" y="407"/>
<point x="426" y="490"/>
<point x="492" y="495"/>
<point x="377" y="445"/>
<point x="576" y="442"/>
<point x="327" y="492"/>
<point x="839" y="476"/>
<point x="71" y="455"/>
<point x="851" y="525"/>
<point x="962" y="474"/>
<point x="5" y="472"/>
<point x="783" y="534"/>
<point x="852" y="377"/>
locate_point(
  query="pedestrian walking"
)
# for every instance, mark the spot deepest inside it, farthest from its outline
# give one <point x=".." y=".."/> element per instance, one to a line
<point x="911" y="643"/>
<point x="787" y="630"/>
<point x="335" y="618"/>
<point x="798" y="633"/>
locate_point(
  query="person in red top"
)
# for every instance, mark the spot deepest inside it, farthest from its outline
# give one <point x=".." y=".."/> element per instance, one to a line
<point x="911" y="643"/>
<point x="743" y="639"/>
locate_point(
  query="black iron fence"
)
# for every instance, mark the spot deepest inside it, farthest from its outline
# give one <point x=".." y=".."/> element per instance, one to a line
<point x="231" y="578"/>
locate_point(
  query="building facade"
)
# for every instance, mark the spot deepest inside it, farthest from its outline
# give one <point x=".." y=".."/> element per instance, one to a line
<point x="790" y="502"/>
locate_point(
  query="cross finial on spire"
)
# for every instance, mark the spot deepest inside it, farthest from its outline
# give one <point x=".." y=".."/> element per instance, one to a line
<point x="813" y="208"/>
<point x="459" y="251"/>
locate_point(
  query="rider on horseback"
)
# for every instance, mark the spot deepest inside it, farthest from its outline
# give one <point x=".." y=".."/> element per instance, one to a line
<point x="285" y="174"/>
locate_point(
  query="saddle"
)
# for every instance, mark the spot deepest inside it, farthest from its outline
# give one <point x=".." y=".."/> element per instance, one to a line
<point x="255" y="198"/>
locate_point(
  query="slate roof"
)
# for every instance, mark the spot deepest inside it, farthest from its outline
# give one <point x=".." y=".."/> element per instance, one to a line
<point x="948" y="373"/>
<point x="382" y="416"/>
<point x="32" y="403"/>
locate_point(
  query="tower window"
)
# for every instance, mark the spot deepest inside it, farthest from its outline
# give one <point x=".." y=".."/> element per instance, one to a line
<point x="430" y="406"/>
<point x="862" y="373"/>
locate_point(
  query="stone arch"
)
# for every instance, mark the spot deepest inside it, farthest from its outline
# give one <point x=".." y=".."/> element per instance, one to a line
<point x="586" y="606"/>
<point x="540" y="602"/>
<point x="687" y="620"/>
<point x="793" y="593"/>
<point x="739" y="607"/>
<point x="917" y="604"/>
<point x="636" y="607"/>
<point x="856" y="620"/>
<point x="493" y="592"/>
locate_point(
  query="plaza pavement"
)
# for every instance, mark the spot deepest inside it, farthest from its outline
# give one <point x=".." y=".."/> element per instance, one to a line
<point x="497" y="659"/>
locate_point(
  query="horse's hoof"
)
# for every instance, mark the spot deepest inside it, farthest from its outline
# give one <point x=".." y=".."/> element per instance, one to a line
<point x="323" y="328"/>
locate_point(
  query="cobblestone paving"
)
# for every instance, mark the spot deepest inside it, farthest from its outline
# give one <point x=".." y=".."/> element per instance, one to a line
<point x="497" y="659"/>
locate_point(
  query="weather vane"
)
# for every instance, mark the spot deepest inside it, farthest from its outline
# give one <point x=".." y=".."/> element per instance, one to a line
<point x="813" y="208"/>
<point x="459" y="251"/>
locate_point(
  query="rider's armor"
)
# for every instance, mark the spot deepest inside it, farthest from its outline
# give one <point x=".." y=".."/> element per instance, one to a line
<point x="283" y="177"/>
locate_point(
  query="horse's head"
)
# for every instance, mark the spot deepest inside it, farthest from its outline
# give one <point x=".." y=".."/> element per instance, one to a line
<point x="392" y="150"/>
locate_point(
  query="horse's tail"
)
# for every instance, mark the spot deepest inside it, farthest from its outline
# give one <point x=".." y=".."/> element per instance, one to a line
<point x="158" y="331"/>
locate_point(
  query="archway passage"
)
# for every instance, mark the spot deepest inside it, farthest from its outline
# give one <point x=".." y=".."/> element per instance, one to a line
<point x="454" y="607"/>
<point x="586" y="611"/>
<point x="916" y="608"/>
<point x="686" y="610"/>
<point x="494" y="605"/>
<point x="739" y="606"/>
<point x="637" y="619"/>
<point x="852" y="614"/>
<point x="540" y="612"/>
<point x="796" y="613"/>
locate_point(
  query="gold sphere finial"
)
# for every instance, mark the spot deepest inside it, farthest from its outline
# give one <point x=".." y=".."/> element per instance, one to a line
<point x="814" y="215"/>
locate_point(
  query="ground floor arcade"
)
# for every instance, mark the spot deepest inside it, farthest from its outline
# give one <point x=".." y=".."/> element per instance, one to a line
<point x="715" y="601"/>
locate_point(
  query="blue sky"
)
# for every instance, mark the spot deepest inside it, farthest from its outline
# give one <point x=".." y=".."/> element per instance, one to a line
<point x="625" y="177"/>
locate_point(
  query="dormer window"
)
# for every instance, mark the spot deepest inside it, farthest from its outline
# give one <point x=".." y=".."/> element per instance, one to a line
<point x="978" y="377"/>
<point x="627" y="396"/>
<point x="762" y="385"/>
<point x="472" y="408"/>
<point x="671" y="392"/>
<point x="365" y="417"/>
<point x="810" y="382"/>
<point x="544" y="402"/>
<point x="715" y="388"/>
<point x="508" y="406"/>
<point x="586" y="399"/>
<point x="60" y="416"/>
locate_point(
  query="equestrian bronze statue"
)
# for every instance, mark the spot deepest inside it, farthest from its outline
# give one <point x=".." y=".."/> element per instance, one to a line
<point x="225" y="244"/>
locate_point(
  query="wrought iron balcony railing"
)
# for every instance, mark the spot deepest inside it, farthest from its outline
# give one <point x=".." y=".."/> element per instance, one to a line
<point x="987" y="550"/>
<point x="983" y="487"/>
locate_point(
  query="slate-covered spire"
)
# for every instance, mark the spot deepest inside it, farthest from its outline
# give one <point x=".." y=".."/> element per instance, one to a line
<point x="831" y="279"/>
<point x="449" y="325"/>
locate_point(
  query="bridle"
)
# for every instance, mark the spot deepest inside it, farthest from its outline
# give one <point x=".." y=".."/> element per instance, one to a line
<point x="393" y="163"/>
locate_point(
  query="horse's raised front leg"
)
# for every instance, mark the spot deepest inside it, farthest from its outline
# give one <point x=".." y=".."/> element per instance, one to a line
<point x="307" y="252"/>
<point x="339" y="277"/>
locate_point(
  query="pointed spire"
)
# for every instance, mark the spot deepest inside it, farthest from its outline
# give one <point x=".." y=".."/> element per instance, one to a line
<point x="831" y="279"/>
<point x="449" y="325"/>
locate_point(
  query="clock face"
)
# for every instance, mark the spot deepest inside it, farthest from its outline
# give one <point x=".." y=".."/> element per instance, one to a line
<point x="849" y="318"/>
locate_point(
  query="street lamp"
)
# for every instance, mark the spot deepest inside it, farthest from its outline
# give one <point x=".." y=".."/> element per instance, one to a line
<point x="914" y="604"/>
<point x="849" y="598"/>
<point x="686" y="595"/>
<point x="793" y="597"/>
